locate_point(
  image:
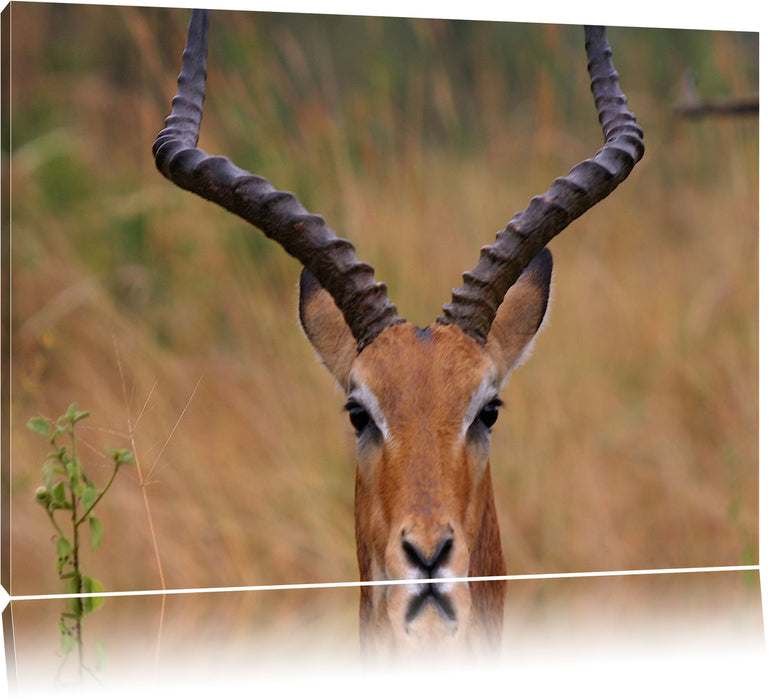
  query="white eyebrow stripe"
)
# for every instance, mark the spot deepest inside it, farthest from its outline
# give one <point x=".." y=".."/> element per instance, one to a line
<point x="363" y="395"/>
<point x="484" y="393"/>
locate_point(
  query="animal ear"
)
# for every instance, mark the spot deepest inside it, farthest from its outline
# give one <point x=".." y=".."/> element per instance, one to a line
<point x="325" y="328"/>
<point x="520" y="315"/>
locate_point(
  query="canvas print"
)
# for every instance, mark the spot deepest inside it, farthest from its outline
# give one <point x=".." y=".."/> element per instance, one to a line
<point x="384" y="340"/>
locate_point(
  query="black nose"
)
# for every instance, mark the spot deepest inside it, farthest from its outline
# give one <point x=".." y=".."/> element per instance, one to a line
<point x="429" y="564"/>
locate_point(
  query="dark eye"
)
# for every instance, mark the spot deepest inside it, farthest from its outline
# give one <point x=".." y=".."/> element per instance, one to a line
<point x="489" y="413"/>
<point x="359" y="416"/>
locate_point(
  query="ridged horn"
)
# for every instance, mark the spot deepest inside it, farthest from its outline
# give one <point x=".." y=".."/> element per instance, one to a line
<point x="332" y="260"/>
<point x="474" y="305"/>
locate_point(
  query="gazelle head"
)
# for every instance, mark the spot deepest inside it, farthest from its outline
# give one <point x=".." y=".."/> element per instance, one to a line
<point x="422" y="401"/>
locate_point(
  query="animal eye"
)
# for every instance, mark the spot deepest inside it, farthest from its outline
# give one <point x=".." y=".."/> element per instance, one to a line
<point x="489" y="413"/>
<point x="359" y="416"/>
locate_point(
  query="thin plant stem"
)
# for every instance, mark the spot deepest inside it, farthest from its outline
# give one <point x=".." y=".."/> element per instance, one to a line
<point x="174" y="428"/>
<point x="102" y="493"/>
<point x="144" y="480"/>
<point x="146" y="503"/>
<point x="78" y="578"/>
<point x="55" y="523"/>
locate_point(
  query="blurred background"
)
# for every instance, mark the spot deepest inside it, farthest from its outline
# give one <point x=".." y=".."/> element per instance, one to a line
<point x="628" y="441"/>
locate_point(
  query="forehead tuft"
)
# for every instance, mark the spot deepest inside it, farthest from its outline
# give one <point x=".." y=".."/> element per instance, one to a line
<point x="424" y="334"/>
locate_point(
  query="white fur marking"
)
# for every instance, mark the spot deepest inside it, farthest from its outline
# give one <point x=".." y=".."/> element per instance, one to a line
<point x="484" y="393"/>
<point x="362" y="394"/>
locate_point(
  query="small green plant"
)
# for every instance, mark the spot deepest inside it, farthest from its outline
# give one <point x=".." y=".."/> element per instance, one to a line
<point x="68" y="490"/>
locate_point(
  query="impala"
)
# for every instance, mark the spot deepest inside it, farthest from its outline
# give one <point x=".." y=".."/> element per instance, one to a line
<point x="422" y="401"/>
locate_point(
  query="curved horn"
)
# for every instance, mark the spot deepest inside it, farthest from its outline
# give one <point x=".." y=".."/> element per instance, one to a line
<point x="474" y="305"/>
<point x="363" y="301"/>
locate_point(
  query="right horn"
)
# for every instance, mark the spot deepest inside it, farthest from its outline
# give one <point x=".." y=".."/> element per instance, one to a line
<point x="474" y="305"/>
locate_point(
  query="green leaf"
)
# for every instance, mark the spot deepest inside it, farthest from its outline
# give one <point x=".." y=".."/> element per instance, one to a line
<point x="122" y="456"/>
<point x="39" y="425"/>
<point x="64" y="552"/>
<point x="64" y="547"/>
<point x="80" y="415"/>
<point x="91" y="585"/>
<point x="66" y="638"/>
<point x="88" y="497"/>
<point x="50" y="467"/>
<point x="73" y="470"/>
<point x="101" y="655"/>
<point x="95" y="532"/>
<point x="58" y="454"/>
<point x="73" y="415"/>
<point x="78" y="488"/>
<point x="72" y="409"/>
<point x="58" y="496"/>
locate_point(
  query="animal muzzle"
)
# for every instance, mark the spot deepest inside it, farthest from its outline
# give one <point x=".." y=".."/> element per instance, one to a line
<point x="432" y="613"/>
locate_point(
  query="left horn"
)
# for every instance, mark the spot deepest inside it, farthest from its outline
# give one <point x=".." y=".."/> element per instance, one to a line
<point x="474" y="305"/>
<point x="363" y="301"/>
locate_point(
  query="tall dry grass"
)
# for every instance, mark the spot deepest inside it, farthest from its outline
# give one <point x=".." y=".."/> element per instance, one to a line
<point x="628" y="441"/>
